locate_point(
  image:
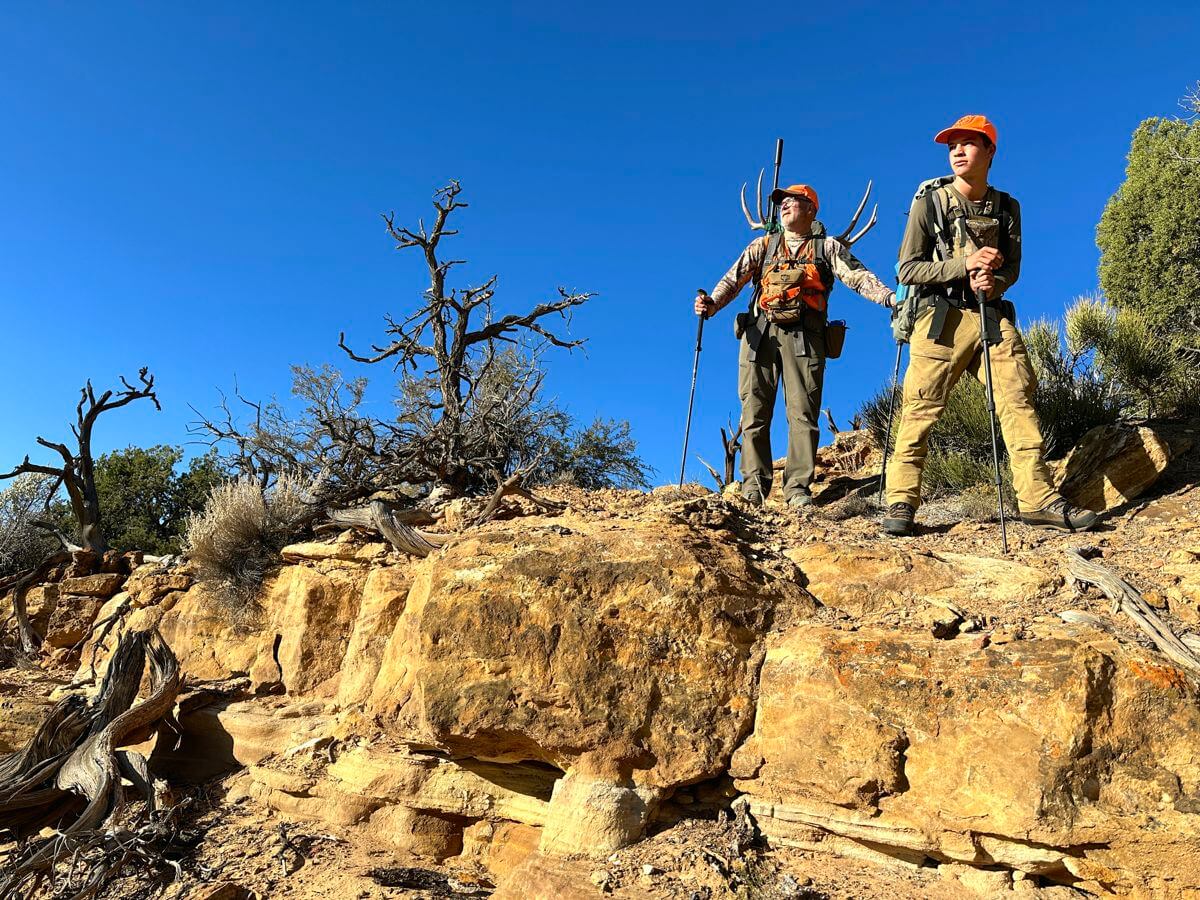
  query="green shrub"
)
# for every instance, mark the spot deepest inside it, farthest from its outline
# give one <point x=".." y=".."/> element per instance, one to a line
<point x="1152" y="368"/>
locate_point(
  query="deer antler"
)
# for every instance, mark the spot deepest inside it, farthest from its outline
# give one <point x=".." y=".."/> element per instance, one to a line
<point x="759" y="225"/>
<point x="845" y="237"/>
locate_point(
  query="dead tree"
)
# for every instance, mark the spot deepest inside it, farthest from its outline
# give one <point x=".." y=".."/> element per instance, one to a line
<point x="731" y="442"/>
<point x="451" y="339"/>
<point x="77" y="472"/>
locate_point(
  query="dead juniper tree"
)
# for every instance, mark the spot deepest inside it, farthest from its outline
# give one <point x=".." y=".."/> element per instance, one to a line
<point x="77" y="472"/>
<point x="460" y="389"/>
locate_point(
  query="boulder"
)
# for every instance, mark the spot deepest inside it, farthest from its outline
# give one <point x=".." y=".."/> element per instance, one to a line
<point x="1067" y="757"/>
<point x="633" y="644"/>
<point x="1113" y="464"/>
<point x="103" y="585"/>
<point x="72" y="619"/>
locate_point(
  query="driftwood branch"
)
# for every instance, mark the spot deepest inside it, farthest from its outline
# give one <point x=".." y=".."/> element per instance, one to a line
<point x="1128" y="599"/>
<point x="716" y="476"/>
<point x="30" y="639"/>
<point x="732" y="442"/>
<point x="393" y="525"/>
<point x="74" y="756"/>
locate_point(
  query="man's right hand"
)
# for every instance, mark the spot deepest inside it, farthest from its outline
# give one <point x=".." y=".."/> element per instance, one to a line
<point x="986" y="258"/>
<point x="705" y="306"/>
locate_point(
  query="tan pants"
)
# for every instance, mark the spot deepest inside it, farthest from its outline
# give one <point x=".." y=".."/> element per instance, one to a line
<point x="758" y="383"/>
<point x="934" y="367"/>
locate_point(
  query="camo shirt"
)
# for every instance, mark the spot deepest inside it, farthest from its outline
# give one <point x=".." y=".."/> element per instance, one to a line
<point x="846" y="267"/>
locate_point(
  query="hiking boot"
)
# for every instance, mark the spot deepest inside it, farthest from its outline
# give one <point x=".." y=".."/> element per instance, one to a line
<point x="753" y="498"/>
<point x="899" y="519"/>
<point x="1061" y="516"/>
<point x="800" y="501"/>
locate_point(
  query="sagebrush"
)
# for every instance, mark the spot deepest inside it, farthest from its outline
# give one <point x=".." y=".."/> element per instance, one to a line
<point x="234" y="542"/>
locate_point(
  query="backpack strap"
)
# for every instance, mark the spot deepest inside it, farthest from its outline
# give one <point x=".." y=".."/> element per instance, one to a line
<point x="941" y="229"/>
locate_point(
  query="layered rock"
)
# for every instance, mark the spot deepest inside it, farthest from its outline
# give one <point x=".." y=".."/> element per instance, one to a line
<point x="547" y="686"/>
<point x="1067" y="756"/>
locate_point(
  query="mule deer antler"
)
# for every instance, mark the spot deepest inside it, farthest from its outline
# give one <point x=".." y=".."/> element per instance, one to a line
<point x="845" y="237"/>
<point x="760" y="224"/>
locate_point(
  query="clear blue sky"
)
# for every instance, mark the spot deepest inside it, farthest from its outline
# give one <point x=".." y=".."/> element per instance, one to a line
<point x="197" y="188"/>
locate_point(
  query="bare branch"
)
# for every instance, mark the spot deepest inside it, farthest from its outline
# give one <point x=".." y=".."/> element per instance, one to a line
<point x="510" y="323"/>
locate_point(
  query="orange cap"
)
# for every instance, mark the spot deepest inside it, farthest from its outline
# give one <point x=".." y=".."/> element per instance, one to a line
<point x="978" y="124"/>
<point x="796" y="190"/>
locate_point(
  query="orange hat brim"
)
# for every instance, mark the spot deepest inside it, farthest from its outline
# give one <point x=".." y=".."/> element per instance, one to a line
<point x="943" y="136"/>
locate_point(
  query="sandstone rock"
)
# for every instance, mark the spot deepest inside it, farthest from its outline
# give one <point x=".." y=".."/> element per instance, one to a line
<point x="149" y="589"/>
<point x="40" y="601"/>
<point x="862" y="579"/>
<point x="225" y="890"/>
<point x="1049" y="756"/>
<point x="467" y="788"/>
<point x="344" y="548"/>
<point x="383" y="595"/>
<point x="228" y="734"/>
<point x="83" y="563"/>
<point x="636" y="642"/>
<point x="595" y="816"/>
<point x="1112" y="465"/>
<point x="540" y="876"/>
<point x="418" y="833"/>
<point x="72" y="620"/>
<point x="500" y="846"/>
<point x="101" y="585"/>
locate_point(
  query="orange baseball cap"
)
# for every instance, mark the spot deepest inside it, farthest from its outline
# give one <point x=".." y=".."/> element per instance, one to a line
<point x="796" y="190"/>
<point x="978" y="124"/>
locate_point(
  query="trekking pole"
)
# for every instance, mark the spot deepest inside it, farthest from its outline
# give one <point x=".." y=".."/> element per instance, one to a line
<point x="981" y="298"/>
<point x="887" y="441"/>
<point x="687" y="429"/>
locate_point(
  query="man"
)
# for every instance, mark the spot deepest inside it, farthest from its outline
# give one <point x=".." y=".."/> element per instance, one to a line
<point x="963" y="236"/>
<point x="783" y="334"/>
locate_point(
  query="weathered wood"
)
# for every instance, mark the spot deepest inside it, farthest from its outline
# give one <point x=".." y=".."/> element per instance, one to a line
<point x="73" y="757"/>
<point x="1128" y="599"/>
<point x="30" y="639"/>
<point x="394" y="525"/>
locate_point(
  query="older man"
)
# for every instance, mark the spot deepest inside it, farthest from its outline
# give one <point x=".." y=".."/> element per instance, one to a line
<point x="783" y="334"/>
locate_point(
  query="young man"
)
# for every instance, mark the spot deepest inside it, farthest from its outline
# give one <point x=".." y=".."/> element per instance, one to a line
<point x="964" y="237"/>
<point x="783" y="334"/>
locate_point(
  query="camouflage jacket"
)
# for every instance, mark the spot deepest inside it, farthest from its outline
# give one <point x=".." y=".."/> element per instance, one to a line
<point x="846" y="267"/>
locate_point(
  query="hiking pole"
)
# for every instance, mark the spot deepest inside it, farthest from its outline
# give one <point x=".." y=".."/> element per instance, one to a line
<point x="887" y="441"/>
<point x="687" y="429"/>
<point x="981" y="298"/>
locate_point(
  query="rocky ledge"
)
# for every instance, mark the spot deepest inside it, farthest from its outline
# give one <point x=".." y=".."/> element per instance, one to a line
<point x="545" y="691"/>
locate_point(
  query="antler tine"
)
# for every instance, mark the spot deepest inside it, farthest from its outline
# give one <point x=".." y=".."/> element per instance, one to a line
<point x="870" y="224"/>
<point x="746" y="211"/>
<point x="762" y="220"/>
<point x="862" y="204"/>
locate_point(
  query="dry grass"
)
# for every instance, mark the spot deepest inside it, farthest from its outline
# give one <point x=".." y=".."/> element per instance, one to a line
<point x="235" y="541"/>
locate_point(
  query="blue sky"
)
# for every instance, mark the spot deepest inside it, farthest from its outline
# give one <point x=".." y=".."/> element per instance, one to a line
<point x="197" y="188"/>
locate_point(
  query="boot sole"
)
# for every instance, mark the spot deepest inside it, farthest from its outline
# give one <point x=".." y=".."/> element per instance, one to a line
<point x="904" y="529"/>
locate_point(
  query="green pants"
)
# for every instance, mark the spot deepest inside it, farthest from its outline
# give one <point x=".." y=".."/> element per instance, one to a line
<point x="758" y="382"/>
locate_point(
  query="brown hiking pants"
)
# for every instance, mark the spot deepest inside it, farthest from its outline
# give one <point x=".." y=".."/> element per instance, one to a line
<point x="758" y="383"/>
<point x="934" y="367"/>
